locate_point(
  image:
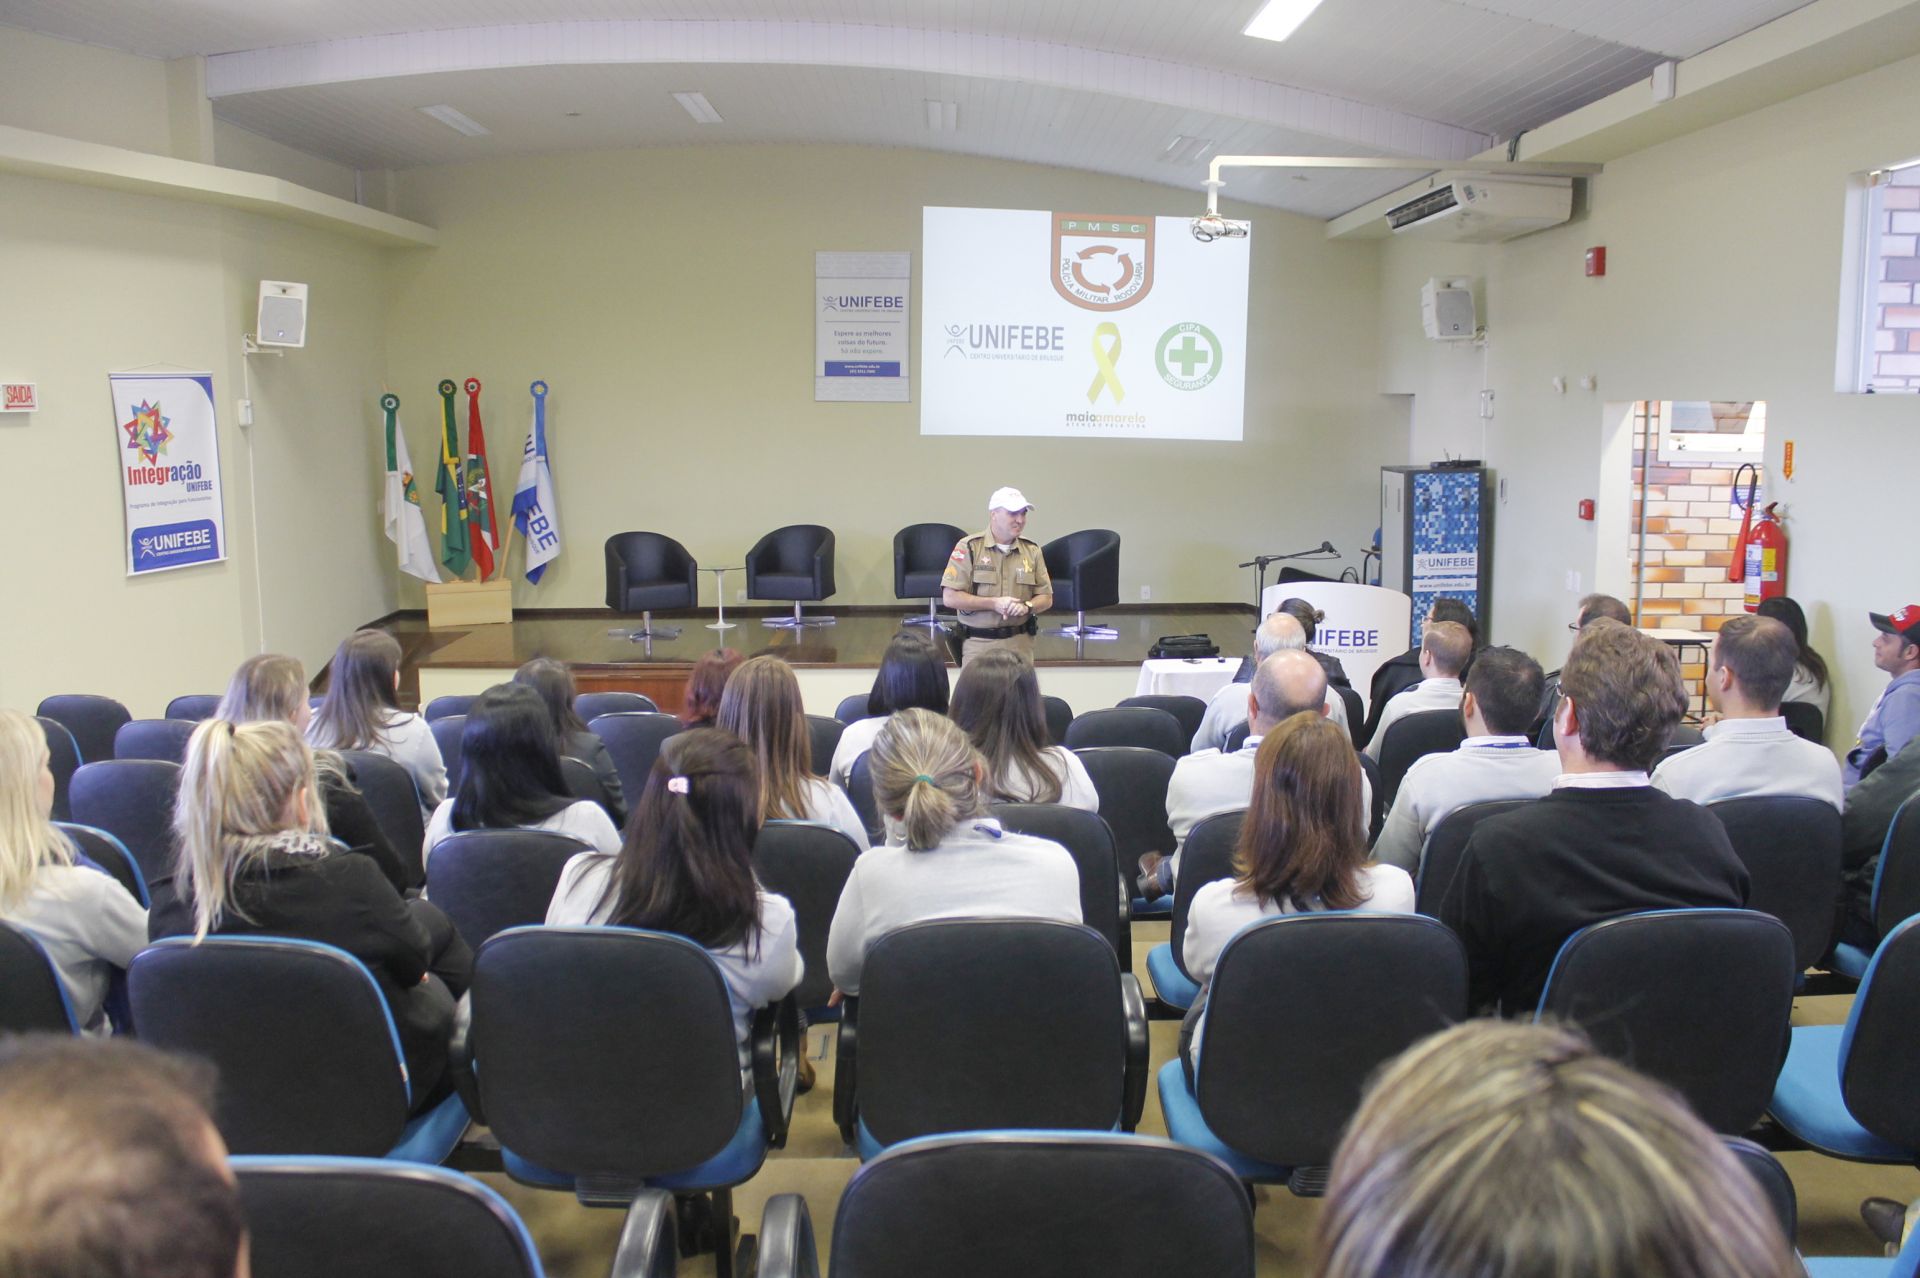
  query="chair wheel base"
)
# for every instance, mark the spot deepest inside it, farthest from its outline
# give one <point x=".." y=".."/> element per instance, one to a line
<point x="657" y="632"/>
<point x="920" y="619"/>
<point x="1308" y="1182"/>
<point x="801" y="623"/>
<point x="1086" y="632"/>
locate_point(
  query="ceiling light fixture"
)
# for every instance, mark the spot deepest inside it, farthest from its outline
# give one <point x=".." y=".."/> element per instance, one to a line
<point x="698" y="107"/>
<point x="943" y="117"/>
<point x="458" y="121"/>
<point x="1279" y="19"/>
<point x="1186" y="150"/>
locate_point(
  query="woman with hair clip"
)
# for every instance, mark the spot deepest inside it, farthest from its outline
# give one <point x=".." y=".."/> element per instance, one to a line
<point x="554" y="682"/>
<point x="951" y="860"/>
<point x="687" y="868"/>
<point x="1811" y="682"/>
<point x="1303" y="847"/>
<point x="510" y="776"/>
<point x="996" y="702"/>
<point x="252" y="857"/>
<point x="361" y="711"/>
<point x="272" y="686"/>
<point x="700" y="705"/>
<point x="761" y="706"/>
<point x="913" y="673"/>
<point x="89" y="925"/>
<point x="1310" y="618"/>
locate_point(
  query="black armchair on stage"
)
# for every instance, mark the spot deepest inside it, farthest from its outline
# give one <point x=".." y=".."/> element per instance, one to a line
<point x="1085" y="567"/>
<point x="647" y="570"/>
<point x="920" y="555"/>
<point x="792" y="563"/>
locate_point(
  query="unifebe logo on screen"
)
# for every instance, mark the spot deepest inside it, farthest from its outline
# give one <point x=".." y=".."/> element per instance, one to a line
<point x="1102" y="263"/>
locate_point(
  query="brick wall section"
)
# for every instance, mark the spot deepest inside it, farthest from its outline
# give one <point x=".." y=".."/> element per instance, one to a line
<point x="1896" y="325"/>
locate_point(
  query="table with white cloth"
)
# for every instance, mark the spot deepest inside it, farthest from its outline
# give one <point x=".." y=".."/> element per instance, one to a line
<point x="1185" y="676"/>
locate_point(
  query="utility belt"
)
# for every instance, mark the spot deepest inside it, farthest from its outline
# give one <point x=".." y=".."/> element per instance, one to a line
<point x="1027" y="627"/>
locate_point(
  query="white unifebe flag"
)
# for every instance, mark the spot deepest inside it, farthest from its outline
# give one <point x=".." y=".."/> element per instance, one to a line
<point x="534" y="512"/>
<point x="406" y="522"/>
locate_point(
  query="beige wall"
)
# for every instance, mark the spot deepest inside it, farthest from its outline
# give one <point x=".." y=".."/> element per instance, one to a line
<point x="79" y="91"/>
<point x="667" y="297"/>
<point x="238" y="148"/>
<point x="1724" y="264"/>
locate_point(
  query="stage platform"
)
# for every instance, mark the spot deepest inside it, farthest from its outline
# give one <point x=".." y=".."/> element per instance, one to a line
<point x="831" y="661"/>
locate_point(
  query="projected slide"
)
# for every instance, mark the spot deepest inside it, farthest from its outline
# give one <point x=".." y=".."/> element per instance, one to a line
<point x="1102" y="324"/>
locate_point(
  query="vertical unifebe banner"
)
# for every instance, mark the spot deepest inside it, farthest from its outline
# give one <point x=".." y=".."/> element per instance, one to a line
<point x="860" y="327"/>
<point x="169" y="451"/>
<point x="535" y="513"/>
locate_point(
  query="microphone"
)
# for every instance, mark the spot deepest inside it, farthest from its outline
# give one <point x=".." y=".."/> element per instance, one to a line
<point x="1326" y="548"/>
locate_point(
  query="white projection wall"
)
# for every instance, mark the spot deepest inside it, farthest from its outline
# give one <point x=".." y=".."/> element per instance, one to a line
<point x="1102" y="324"/>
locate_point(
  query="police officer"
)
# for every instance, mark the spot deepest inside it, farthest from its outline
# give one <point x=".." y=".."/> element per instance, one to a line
<point x="997" y="581"/>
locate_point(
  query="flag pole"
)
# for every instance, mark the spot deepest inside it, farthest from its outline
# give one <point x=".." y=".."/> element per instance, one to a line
<point x="506" y="547"/>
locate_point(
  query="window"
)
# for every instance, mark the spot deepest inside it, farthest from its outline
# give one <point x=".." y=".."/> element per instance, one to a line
<point x="1880" y="321"/>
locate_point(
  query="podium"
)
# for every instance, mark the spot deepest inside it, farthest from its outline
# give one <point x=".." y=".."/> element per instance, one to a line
<point x="1365" y="625"/>
<point x="469" y="603"/>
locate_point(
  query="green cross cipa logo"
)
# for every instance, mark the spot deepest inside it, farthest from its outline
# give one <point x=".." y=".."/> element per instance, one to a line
<point x="1188" y="356"/>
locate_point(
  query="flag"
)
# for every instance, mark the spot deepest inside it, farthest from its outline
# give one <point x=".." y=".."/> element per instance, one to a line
<point x="451" y="484"/>
<point x="484" y="534"/>
<point x="406" y="522"/>
<point x="534" y="513"/>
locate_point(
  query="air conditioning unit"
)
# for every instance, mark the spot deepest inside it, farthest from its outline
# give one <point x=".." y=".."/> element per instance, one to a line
<point x="1482" y="210"/>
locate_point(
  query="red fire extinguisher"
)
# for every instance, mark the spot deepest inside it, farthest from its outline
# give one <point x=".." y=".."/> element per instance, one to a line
<point x="1766" y="559"/>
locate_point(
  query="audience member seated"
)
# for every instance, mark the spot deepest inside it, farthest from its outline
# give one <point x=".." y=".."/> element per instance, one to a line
<point x="1303" y="847"/>
<point x="271" y="686"/>
<point x="554" y="682"/>
<point x="996" y="702"/>
<point x="1496" y="761"/>
<point x="89" y="925"/>
<point x="1751" y="752"/>
<point x="1397" y="674"/>
<point x="1895" y="717"/>
<point x="1864" y="823"/>
<point x="1511" y="1151"/>
<point x="952" y="860"/>
<point x="1811" y="682"/>
<point x="1590" y="609"/>
<point x="361" y="711"/>
<point x="1310" y="618"/>
<point x="1228" y="708"/>
<point x="510" y="776"/>
<point x="252" y="858"/>
<point x="1604" y="842"/>
<point x="1445" y="649"/>
<point x="762" y="707"/>
<point x="913" y="673"/>
<point x="1289" y="682"/>
<point x="701" y="704"/>
<point x="687" y="868"/>
<point x="110" y="1165"/>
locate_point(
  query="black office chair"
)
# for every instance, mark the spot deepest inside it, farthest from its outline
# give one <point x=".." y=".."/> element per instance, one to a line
<point x="1045" y="1031"/>
<point x="1188" y="710"/>
<point x="32" y="997"/>
<point x="823" y="738"/>
<point x="604" y="1060"/>
<point x="448" y="707"/>
<point x="648" y="570"/>
<point x="1896" y="888"/>
<point x="163" y="739"/>
<point x="1104" y="897"/>
<point x="1206" y="857"/>
<point x="795" y="563"/>
<point x="1146" y="726"/>
<point x="1236" y="738"/>
<point x="107" y="852"/>
<point x="852" y="708"/>
<point x="447" y="731"/>
<point x="1775" y="1185"/>
<point x="1805" y="720"/>
<point x="1699" y="999"/>
<point x="1377" y="816"/>
<point x="63" y="759"/>
<point x="325" y="1217"/>
<point x="1026" y="1202"/>
<point x="1287" y="1049"/>
<point x="920" y="556"/>
<point x="1059" y="716"/>
<point x="1356" y="716"/>
<point x="194" y="706"/>
<point x="1412" y="736"/>
<point x="808" y="864"/>
<point x="394" y="800"/>
<point x="132" y="799"/>
<point x="1085" y="568"/>
<point x="591" y="705"/>
<point x="1685" y="737"/>
<point x="1791" y="848"/>
<point x="1440" y="859"/>
<point x="92" y="721"/>
<point x="634" y="741"/>
<point x="490" y="880"/>
<point x="860" y="792"/>
<point x="304" y="1041"/>
<point x="1132" y="784"/>
<point x="583" y="782"/>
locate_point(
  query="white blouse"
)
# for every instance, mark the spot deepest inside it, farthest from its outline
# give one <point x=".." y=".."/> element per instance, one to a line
<point x="827" y="804"/>
<point x="855" y="741"/>
<point x="583" y="819"/>
<point x="1076" y="783"/>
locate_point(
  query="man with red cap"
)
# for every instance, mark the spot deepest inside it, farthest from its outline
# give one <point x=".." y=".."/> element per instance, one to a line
<point x="1895" y="717"/>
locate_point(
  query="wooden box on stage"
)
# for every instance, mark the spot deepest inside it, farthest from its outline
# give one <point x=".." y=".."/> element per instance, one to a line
<point x="470" y="603"/>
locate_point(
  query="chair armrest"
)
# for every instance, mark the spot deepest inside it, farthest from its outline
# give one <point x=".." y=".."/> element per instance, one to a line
<point x="1134" y="1101"/>
<point x="776" y="1065"/>
<point x="846" y="1102"/>
<point x="787" y="1248"/>
<point x="460" y="1058"/>
<point x="1126" y="921"/>
<point x="649" y="1241"/>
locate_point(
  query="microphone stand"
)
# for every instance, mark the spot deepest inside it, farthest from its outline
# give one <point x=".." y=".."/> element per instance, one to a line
<point x="1259" y="564"/>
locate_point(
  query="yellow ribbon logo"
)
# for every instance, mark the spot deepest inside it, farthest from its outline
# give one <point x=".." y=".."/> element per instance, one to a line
<point x="1105" y="358"/>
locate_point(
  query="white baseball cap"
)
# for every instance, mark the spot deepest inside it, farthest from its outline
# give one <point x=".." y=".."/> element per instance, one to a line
<point x="1011" y="500"/>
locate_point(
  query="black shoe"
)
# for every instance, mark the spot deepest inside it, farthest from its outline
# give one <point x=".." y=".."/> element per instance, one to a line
<point x="1887" y="1219"/>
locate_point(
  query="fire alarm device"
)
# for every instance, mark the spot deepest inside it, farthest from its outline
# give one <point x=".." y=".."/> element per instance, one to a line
<point x="1597" y="260"/>
<point x="1586" y="508"/>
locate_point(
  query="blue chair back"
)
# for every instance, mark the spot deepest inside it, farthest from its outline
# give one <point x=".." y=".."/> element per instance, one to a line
<point x="809" y="865"/>
<point x="1132" y="784"/>
<point x="1879" y="1070"/>
<point x="1791" y="848"/>
<point x="92" y="721"/>
<point x="447" y="707"/>
<point x="860" y="792"/>
<point x="107" y="852"/>
<point x="447" y="731"/>
<point x="633" y="739"/>
<point x="1145" y="726"/>
<point x="394" y="799"/>
<point x="1206" y="858"/>
<point x="63" y="759"/>
<point x="132" y="799"/>
<point x="490" y="880"/>
<point x="1059" y="715"/>
<point x="823" y="738"/>
<point x="32" y="997"/>
<point x="193" y="706"/>
<point x="1103" y="898"/>
<point x="591" y="705"/>
<point x="852" y="708"/>
<point x="1440" y="859"/>
<point x="164" y="739"/>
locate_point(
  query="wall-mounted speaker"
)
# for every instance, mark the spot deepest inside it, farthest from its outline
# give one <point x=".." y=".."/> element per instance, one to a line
<point x="283" y="314"/>
<point x="1446" y="310"/>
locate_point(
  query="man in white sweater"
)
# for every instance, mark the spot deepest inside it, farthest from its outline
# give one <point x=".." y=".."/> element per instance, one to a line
<point x="1496" y="761"/>
<point x="1228" y="708"/>
<point x="1444" y="650"/>
<point x="1750" y="752"/>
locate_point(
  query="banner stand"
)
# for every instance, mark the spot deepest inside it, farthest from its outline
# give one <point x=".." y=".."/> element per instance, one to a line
<point x="469" y="603"/>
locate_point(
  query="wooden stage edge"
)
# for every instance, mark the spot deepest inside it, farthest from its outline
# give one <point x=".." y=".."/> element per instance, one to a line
<point x="831" y="661"/>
